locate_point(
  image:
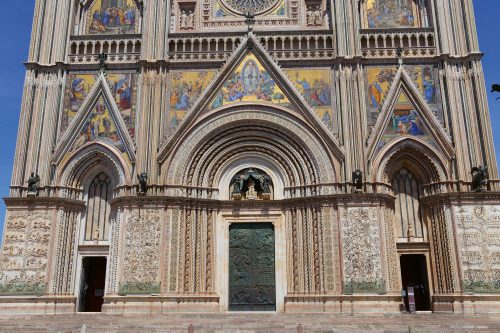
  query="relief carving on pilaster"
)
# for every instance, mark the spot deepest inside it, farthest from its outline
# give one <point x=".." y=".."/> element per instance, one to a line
<point x="142" y="253"/>
<point x="330" y="249"/>
<point x="478" y="234"/>
<point x="23" y="265"/>
<point x="174" y="251"/>
<point x="114" y="250"/>
<point x="393" y="271"/>
<point x="361" y="251"/>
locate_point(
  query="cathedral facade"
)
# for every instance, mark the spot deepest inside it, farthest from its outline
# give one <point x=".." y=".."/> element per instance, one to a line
<point x="238" y="155"/>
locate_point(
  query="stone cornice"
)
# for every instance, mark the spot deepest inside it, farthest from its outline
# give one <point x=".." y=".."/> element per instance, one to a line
<point x="364" y="199"/>
<point x="336" y="60"/>
<point x="462" y="198"/>
<point x="44" y="202"/>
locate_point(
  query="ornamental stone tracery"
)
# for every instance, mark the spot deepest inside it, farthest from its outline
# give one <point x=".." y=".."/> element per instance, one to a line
<point x="252" y="7"/>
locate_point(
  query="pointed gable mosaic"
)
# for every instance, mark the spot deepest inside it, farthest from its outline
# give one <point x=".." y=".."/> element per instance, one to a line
<point x="380" y="79"/>
<point x="79" y="86"/>
<point x="250" y="82"/>
<point x="112" y="17"/>
<point x="405" y="120"/>
<point x="186" y="87"/>
<point x="99" y="125"/>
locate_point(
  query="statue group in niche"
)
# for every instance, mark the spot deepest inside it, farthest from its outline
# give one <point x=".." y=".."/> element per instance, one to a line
<point x="187" y="20"/>
<point x="251" y="184"/>
<point x="112" y="17"/>
<point x="315" y="17"/>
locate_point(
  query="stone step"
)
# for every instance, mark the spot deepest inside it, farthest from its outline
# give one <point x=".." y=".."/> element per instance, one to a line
<point x="249" y="323"/>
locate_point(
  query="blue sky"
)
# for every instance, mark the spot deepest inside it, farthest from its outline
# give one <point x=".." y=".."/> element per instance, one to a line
<point x="15" y="30"/>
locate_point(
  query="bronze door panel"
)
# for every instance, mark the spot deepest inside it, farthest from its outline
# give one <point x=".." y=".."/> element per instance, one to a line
<point x="252" y="277"/>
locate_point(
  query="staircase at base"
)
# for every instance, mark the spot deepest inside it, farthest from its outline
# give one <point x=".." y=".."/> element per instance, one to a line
<point x="249" y="323"/>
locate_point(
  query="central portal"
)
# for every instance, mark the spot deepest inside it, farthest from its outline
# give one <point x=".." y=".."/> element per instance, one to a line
<point x="252" y="277"/>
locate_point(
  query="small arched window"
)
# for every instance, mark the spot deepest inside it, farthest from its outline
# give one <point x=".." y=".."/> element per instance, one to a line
<point x="407" y="206"/>
<point x="97" y="216"/>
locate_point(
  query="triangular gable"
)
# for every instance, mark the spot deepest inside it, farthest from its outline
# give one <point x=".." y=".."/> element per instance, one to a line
<point x="98" y="120"/>
<point x="278" y="90"/>
<point x="405" y="113"/>
<point x="78" y="89"/>
<point x="249" y="82"/>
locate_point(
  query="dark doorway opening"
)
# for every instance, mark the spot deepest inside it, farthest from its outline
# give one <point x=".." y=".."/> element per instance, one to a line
<point x="252" y="274"/>
<point x="414" y="275"/>
<point x="92" y="284"/>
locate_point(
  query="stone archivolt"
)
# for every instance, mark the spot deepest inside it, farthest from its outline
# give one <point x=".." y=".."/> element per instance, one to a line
<point x="336" y="247"/>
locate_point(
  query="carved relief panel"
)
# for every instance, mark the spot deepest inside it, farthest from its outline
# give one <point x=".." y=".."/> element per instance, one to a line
<point x="23" y="265"/>
<point x="141" y="253"/>
<point x="478" y="231"/>
<point x="362" y="254"/>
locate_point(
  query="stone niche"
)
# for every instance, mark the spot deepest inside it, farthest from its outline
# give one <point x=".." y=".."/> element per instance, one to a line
<point x="186" y="15"/>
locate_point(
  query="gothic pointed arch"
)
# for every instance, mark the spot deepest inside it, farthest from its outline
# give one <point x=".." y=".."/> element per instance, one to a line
<point x="90" y="160"/>
<point x="405" y="114"/>
<point x="420" y="158"/>
<point x="98" y="120"/>
<point x="280" y="144"/>
<point x="250" y="52"/>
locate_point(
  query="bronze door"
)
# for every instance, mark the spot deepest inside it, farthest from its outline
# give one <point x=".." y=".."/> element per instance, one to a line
<point x="252" y="280"/>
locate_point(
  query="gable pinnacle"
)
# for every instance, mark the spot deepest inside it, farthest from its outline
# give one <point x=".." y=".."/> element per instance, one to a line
<point x="399" y="53"/>
<point x="102" y="62"/>
<point x="250" y="21"/>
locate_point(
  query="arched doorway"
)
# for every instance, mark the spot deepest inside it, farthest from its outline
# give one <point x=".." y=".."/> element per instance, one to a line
<point x="414" y="278"/>
<point x="95" y="235"/>
<point x="252" y="270"/>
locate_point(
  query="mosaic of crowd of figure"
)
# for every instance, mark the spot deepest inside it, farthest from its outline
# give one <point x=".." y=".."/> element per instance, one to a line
<point x="251" y="82"/>
<point x="112" y="17"/>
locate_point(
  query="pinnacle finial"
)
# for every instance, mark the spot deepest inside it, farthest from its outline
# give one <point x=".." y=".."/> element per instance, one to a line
<point x="400" y="54"/>
<point x="102" y="62"/>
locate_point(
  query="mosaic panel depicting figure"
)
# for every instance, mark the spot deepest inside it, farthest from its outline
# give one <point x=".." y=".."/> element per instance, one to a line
<point x="316" y="88"/>
<point x="122" y="87"/>
<point x="112" y="17"/>
<point x="405" y="121"/>
<point x="100" y="126"/>
<point x="250" y="82"/>
<point x="380" y="79"/>
<point x="185" y="89"/>
<point x="396" y="14"/>
<point x="219" y="12"/>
